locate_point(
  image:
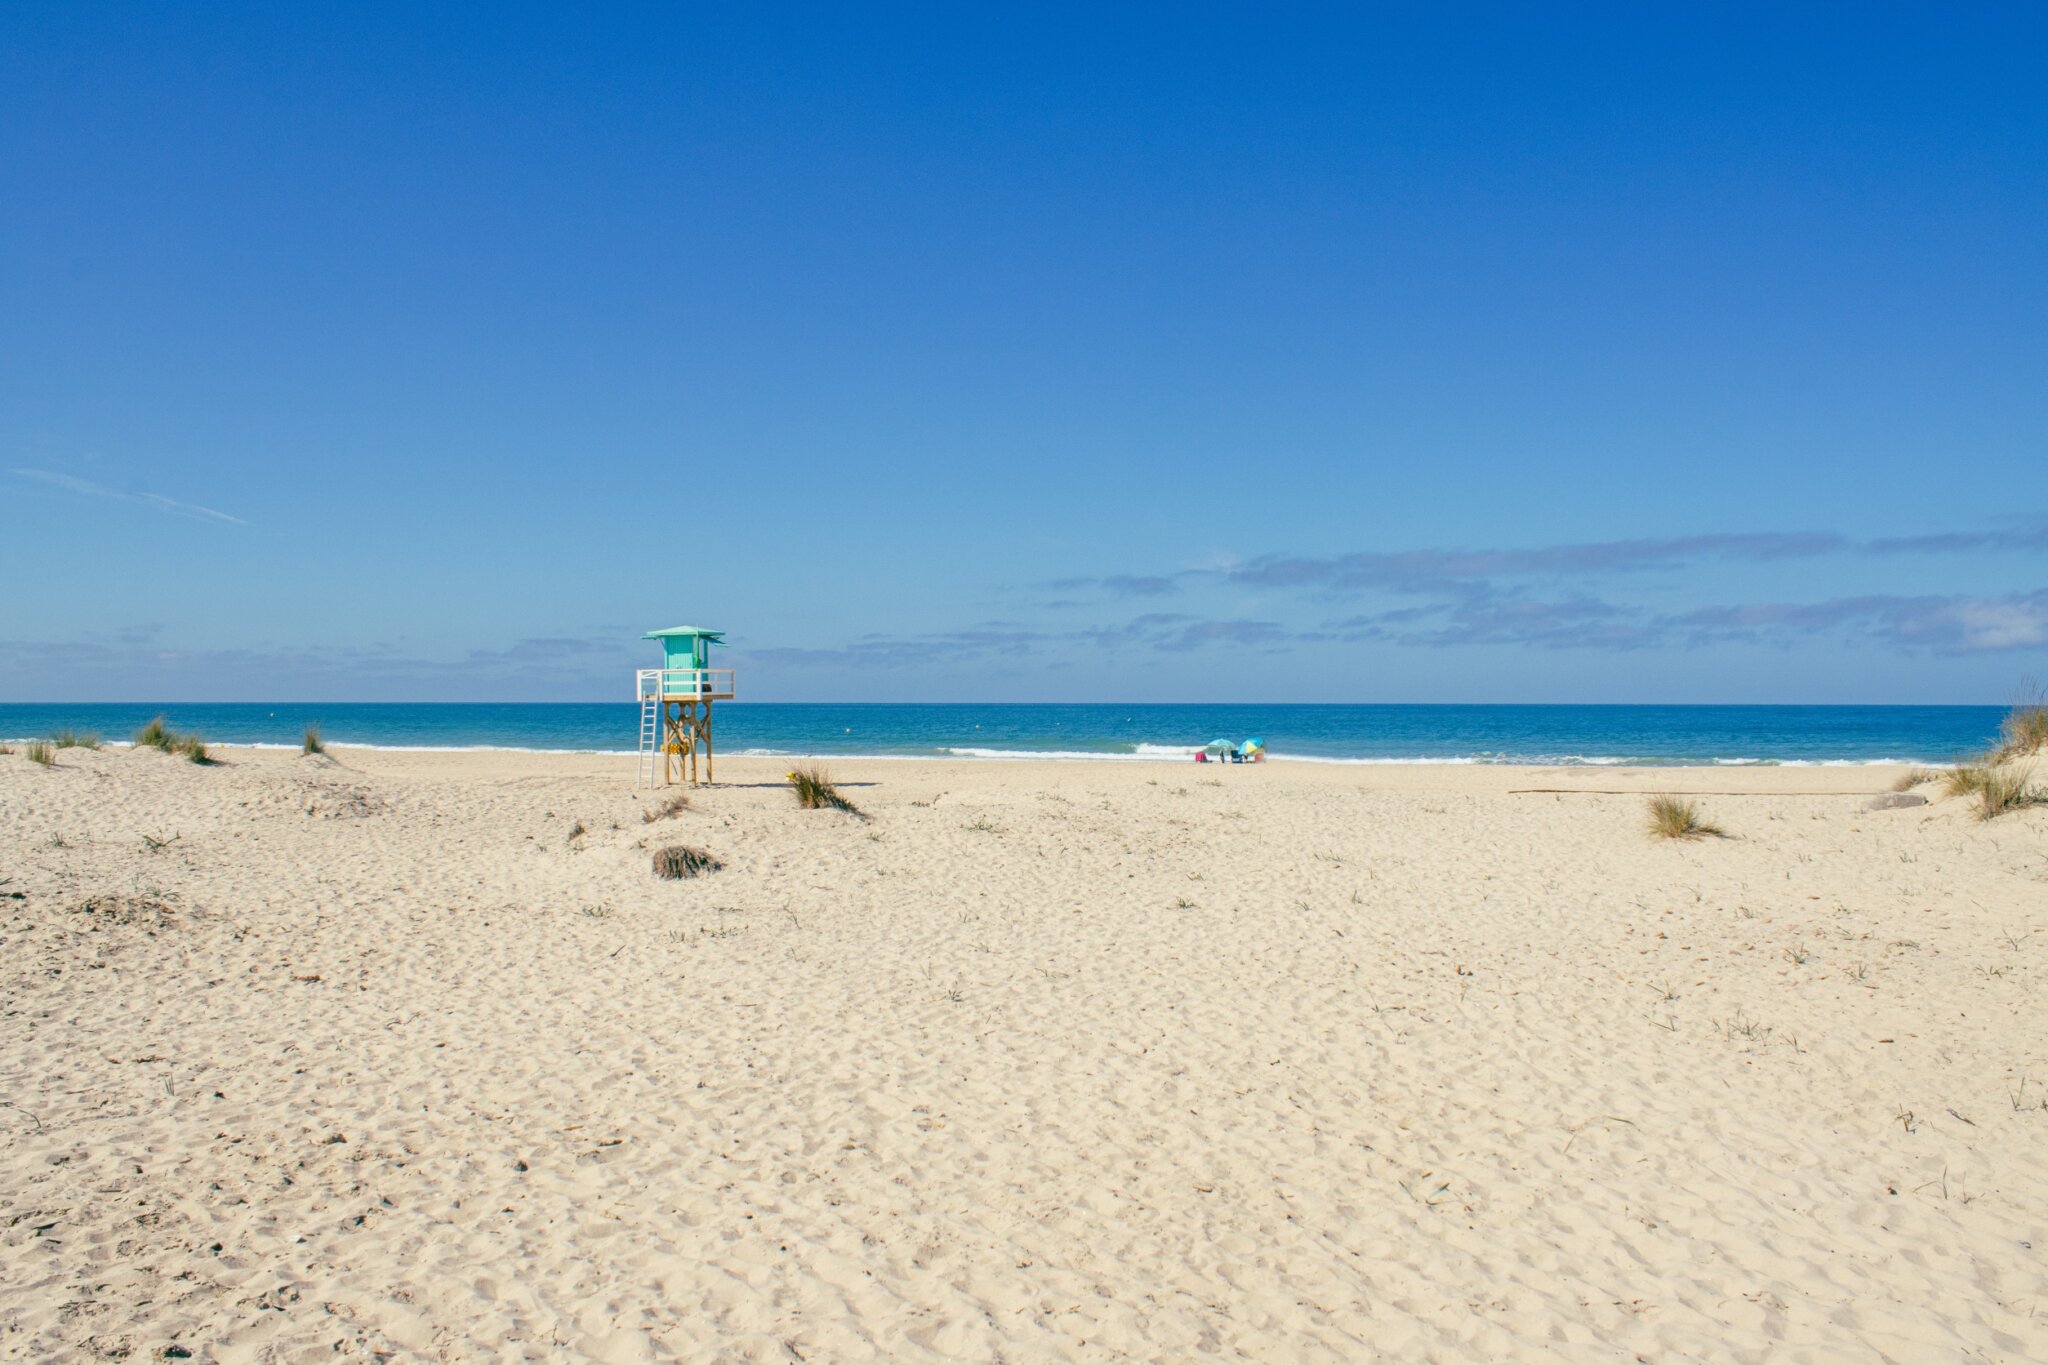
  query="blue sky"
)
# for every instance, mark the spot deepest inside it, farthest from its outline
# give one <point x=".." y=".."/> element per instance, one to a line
<point x="1190" y="353"/>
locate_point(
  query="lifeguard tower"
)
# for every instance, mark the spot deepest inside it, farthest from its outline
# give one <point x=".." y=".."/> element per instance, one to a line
<point x="675" y="703"/>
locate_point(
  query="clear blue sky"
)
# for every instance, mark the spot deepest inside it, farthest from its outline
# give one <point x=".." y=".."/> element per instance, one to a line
<point x="1524" y="353"/>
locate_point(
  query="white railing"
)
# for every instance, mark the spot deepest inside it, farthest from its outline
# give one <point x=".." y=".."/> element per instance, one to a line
<point x="682" y="682"/>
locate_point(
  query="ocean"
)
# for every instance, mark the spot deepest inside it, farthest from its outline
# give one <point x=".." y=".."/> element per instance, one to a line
<point x="1098" y="731"/>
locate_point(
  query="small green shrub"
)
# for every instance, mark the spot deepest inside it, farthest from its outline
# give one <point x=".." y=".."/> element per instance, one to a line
<point x="311" y="744"/>
<point x="72" y="739"/>
<point x="39" y="751"/>
<point x="1672" y="817"/>
<point x="159" y="735"/>
<point x="814" y="790"/>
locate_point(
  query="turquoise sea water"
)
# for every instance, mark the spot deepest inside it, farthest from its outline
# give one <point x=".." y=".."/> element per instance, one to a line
<point x="1360" y="734"/>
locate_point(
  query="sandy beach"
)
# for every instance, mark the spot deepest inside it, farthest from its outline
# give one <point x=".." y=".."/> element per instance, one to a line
<point x="377" y="1056"/>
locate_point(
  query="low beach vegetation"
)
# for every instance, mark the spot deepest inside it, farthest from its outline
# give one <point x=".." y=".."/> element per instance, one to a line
<point x="312" y="744"/>
<point x="40" y="752"/>
<point x="1998" y="778"/>
<point x="678" y="861"/>
<point x="73" y="739"/>
<point x="2024" y="731"/>
<point x="1914" y="777"/>
<point x="1965" y="779"/>
<point x="2006" y="789"/>
<point x="1673" y="817"/>
<point x="2000" y="787"/>
<point x="159" y="735"/>
<point x="814" y="790"/>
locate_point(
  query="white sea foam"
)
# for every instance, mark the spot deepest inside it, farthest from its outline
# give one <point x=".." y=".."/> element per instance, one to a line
<point x="1139" y="753"/>
<point x="1074" y="755"/>
<point x="1368" y="762"/>
<point x="1856" y="762"/>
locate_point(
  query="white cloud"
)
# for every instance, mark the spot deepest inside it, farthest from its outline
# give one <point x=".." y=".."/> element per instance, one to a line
<point x="86" y="488"/>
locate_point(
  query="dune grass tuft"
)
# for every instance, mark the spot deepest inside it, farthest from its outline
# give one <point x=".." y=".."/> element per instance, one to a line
<point x="73" y="739"/>
<point x="814" y="790"/>
<point x="2024" y="731"/>
<point x="678" y="861"/>
<point x="39" y="751"/>
<point x="311" y="744"/>
<point x="1673" y="817"/>
<point x="1965" y="779"/>
<point x="2008" y="789"/>
<point x="159" y="735"/>
<point x="1991" y="776"/>
<point x="1914" y="777"/>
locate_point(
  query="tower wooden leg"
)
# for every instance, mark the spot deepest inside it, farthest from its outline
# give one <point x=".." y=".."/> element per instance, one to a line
<point x="685" y="729"/>
<point x="672" y="741"/>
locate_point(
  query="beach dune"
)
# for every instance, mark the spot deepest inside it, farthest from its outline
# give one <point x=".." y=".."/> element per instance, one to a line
<point x="401" y="1055"/>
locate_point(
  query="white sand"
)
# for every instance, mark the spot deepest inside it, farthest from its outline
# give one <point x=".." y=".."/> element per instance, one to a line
<point x="1044" y="1062"/>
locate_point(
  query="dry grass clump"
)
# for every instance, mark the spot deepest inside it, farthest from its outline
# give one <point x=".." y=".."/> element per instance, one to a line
<point x="1913" y="777"/>
<point x="194" y="749"/>
<point x="678" y="861"/>
<point x="2000" y="787"/>
<point x="2008" y="789"/>
<point x="1965" y="779"/>
<point x="675" y="805"/>
<point x="146" y="912"/>
<point x="814" y="790"/>
<point x="1993" y="777"/>
<point x="39" y="751"/>
<point x="2024" y="731"/>
<point x="1672" y="817"/>
<point x="311" y="743"/>
<point x="72" y="739"/>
